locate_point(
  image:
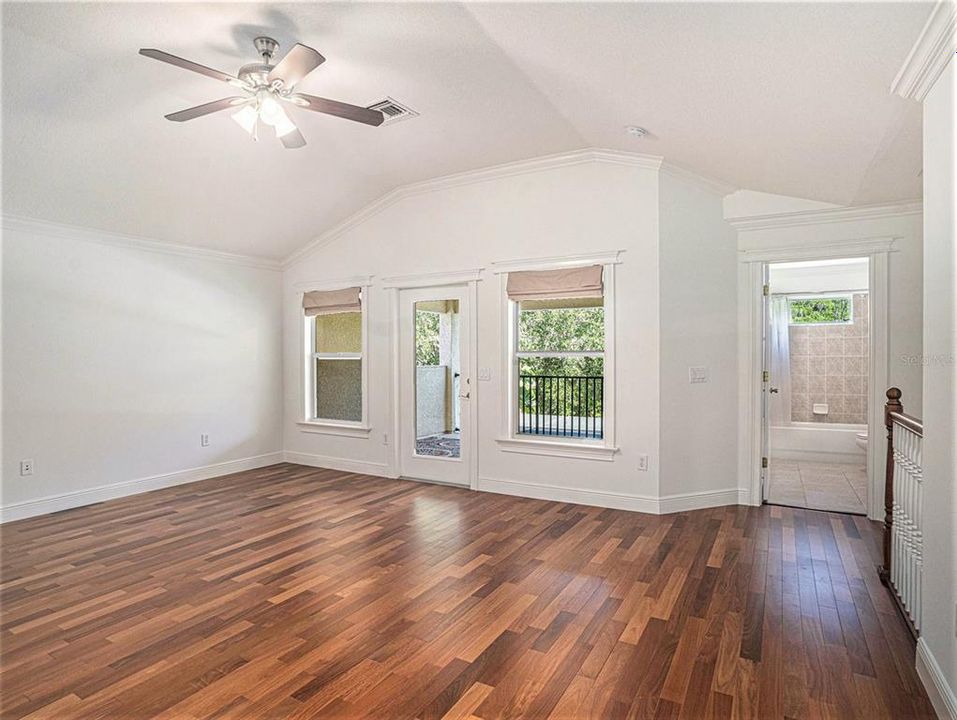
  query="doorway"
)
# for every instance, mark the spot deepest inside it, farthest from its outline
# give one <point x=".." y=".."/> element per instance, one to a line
<point x="816" y="343"/>
<point x="434" y="384"/>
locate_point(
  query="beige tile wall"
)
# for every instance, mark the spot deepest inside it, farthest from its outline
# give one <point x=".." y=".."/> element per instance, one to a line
<point x="829" y="365"/>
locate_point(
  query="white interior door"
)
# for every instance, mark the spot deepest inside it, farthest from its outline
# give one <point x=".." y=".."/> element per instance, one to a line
<point x="765" y="383"/>
<point x="434" y="384"/>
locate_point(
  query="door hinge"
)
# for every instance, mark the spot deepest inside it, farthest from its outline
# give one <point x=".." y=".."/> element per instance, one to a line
<point x="765" y="376"/>
<point x="764" y="463"/>
<point x="766" y="290"/>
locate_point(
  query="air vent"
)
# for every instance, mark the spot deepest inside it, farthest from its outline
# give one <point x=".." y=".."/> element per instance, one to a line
<point x="393" y="111"/>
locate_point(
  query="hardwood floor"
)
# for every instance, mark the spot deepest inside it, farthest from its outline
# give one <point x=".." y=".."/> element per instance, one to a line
<point x="291" y="592"/>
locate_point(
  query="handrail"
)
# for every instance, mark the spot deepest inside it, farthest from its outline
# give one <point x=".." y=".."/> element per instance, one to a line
<point x="908" y="421"/>
<point x="902" y="559"/>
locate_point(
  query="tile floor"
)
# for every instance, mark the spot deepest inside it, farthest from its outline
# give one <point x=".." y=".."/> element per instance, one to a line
<point x="818" y="486"/>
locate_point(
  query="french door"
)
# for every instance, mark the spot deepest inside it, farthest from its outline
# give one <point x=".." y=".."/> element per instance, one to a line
<point x="434" y="384"/>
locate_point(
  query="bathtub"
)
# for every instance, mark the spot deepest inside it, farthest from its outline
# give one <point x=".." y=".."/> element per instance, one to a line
<point x="817" y="442"/>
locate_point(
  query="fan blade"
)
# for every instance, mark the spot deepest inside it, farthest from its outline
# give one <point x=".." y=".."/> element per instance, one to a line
<point x="206" y="109"/>
<point x="339" y="109"/>
<point x="190" y="65"/>
<point x="298" y="62"/>
<point x="293" y="139"/>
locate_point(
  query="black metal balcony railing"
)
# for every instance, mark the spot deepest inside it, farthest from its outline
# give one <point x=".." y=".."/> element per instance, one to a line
<point x="561" y="405"/>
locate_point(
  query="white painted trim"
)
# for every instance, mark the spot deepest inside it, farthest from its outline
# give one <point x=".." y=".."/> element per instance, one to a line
<point x="617" y="501"/>
<point x="59" y="231"/>
<point x="88" y="496"/>
<point x="579" y="496"/>
<point x="942" y="696"/>
<point x="437" y="279"/>
<point x="750" y="361"/>
<point x="932" y="51"/>
<point x="850" y="248"/>
<point x="340" y="464"/>
<point x="556" y="448"/>
<point x="363" y="281"/>
<point x="611" y="257"/>
<point x="829" y="215"/>
<point x="521" y="167"/>
<point x="691" y="177"/>
<point x="330" y="428"/>
<point x="878" y="380"/>
<point x="683" y="502"/>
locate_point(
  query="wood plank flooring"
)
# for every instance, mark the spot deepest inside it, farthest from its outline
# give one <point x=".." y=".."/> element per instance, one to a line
<point x="291" y="592"/>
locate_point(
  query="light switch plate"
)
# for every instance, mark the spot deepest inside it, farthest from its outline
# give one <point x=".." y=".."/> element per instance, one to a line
<point x="485" y="373"/>
<point x="697" y="374"/>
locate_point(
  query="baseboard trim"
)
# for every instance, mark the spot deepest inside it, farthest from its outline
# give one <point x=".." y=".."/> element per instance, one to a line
<point x="341" y="464"/>
<point x="89" y="496"/>
<point x="618" y="501"/>
<point x="941" y="695"/>
<point x="702" y="500"/>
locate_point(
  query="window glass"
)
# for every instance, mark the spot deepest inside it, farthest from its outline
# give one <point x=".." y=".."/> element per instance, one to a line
<point x="339" y="333"/>
<point x="560" y="329"/>
<point x="810" y="311"/>
<point x="339" y="389"/>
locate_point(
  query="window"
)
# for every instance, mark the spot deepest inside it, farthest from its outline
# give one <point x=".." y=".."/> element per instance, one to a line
<point x="560" y="366"/>
<point x="560" y="397"/>
<point x="820" y="310"/>
<point x="335" y="377"/>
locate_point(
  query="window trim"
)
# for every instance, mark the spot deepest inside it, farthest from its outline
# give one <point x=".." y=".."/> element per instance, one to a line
<point x="849" y="296"/>
<point x="308" y="422"/>
<point x="510" y="439"/>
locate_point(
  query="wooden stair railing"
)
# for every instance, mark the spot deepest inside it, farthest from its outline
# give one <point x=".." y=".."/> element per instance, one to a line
<point x="903" y="542"/>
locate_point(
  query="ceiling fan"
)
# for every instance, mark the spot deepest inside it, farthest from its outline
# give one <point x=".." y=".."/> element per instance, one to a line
<point x="265" y="89"/>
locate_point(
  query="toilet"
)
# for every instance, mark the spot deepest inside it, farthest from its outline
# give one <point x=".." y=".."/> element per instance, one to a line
<point x="861" y="440"/>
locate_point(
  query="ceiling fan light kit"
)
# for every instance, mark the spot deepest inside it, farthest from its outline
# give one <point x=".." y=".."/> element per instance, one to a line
<point x="266" y="88"/>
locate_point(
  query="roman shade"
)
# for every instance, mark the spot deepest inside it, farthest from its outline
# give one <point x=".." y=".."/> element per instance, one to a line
<point x="329" y="302"/>
<point x="576" y="282"/>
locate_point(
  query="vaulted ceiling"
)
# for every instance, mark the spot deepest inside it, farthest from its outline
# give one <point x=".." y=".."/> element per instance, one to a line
<point x="787" y="98"/>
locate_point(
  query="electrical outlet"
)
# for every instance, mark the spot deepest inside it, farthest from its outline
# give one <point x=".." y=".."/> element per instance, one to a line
<point x="385" y="438"/>
<point x="204" y="440"/>
<point x="642" y="462"/>
<point x="26" y="467"/>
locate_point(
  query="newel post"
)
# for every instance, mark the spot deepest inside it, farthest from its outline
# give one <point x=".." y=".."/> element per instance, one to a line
<point x="893" y="405"/>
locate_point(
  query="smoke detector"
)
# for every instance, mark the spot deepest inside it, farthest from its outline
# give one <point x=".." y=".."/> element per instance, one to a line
<point x="636" y="131"/>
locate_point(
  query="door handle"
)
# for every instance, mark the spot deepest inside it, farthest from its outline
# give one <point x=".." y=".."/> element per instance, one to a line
<point x="774" y="390"/>
<point x="465" y="396"/>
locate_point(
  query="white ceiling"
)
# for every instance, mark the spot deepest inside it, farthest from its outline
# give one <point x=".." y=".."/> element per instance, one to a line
<point x="787" y="98"/>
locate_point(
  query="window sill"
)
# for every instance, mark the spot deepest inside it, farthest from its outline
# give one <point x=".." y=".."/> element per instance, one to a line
<point x="332" y="428"/>
<point x="558" y="448"/>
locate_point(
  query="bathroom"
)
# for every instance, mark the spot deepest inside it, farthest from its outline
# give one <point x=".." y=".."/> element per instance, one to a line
<point x="818" y="343"/>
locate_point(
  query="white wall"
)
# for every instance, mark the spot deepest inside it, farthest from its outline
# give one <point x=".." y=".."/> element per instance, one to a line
<point x="116" y="359"/>
<point x="818" y="277"/>
<point x="698" y="280"/>
<point x="940" y="376"/>
<point x="568" y="209"/>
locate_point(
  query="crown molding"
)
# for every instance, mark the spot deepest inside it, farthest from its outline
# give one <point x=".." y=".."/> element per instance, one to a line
<point x="60" y="231"/>
<point x="702" y="181"/>
<point x="495" y="172"/>
<point x="830" y="215"/>
<point x="933" y="50"/>
<point x="612" y="257"/>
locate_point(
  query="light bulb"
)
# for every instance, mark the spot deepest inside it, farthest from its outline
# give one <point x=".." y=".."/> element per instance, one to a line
<point x="246" y="119"/>
<point x="270" y="111"/>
